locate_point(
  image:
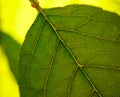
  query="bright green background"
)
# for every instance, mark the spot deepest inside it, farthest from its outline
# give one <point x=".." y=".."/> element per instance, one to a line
<point x="16" y="18"/>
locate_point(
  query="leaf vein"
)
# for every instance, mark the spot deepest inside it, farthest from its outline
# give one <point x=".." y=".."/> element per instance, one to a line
<point x="94" y="36"/>
<point x="72" y="77"/>
<point x="70" y="53"/>
<point x="100" y="66"/>
<point x="47" y="77"/>
<point x="32" y="53"/>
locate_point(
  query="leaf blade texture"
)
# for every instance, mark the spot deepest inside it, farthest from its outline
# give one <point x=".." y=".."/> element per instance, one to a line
<point x="72" y="51"/>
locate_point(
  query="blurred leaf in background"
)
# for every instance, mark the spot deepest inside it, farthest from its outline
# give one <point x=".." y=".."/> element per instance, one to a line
<point x="8" y="86"/>
<point x="8" y="11"/>
<point x="16" y="17"/>
<point x="11" y="49"/>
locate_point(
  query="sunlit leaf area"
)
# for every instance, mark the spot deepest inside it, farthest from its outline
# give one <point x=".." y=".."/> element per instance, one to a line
<point x="16" y="17"/>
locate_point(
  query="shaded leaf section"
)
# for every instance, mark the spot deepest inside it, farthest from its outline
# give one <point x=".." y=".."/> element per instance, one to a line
<point x="11" y="49"/>
<point x="73" y="51"/>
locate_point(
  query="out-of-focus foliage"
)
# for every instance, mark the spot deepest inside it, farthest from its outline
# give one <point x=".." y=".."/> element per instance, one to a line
<point x="11" y="49"/>
<point x="8" y="86"/>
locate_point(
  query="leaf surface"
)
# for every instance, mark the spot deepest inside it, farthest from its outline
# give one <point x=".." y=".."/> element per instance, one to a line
<point x="72" y="51"/>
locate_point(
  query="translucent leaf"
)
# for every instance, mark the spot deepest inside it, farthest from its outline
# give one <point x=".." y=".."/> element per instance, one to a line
<point x="72" y="51"/>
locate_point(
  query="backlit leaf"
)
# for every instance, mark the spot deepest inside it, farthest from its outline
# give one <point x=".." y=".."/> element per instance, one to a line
<point x="72" y="51"/>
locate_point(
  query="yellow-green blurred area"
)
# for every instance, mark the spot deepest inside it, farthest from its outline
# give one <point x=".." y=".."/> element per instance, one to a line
<point x="16" y="17"/>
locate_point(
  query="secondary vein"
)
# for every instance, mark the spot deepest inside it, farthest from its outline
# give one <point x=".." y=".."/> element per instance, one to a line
<point x="77" y="62"/>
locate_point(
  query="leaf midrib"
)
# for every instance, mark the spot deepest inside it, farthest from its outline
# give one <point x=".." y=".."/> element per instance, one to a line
<point x="76" y="61"/>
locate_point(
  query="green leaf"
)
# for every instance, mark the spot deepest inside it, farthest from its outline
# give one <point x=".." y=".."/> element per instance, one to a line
<point x="72" y="51"/>
<point x="11" y="49"/>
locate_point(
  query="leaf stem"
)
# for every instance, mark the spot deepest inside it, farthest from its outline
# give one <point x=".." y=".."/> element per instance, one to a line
<point x="35" y="4"/>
